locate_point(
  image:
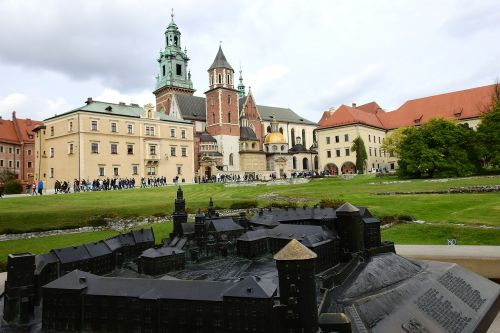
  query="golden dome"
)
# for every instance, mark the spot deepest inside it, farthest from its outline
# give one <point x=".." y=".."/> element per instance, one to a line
<point x="274" y="138"/>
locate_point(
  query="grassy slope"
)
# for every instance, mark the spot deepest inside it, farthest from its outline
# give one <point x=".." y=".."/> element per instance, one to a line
<point x="445" y="211"/>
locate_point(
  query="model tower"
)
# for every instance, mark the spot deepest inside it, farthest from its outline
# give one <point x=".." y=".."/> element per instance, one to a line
<point x="297" y="285"/>
<point x="180" y="215"/>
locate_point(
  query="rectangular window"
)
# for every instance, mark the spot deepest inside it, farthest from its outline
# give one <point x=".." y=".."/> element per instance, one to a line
<point x="1" y="163"/>
<point x="347" y="151"/>
<point x="147" y="130"/>
<point x="379" y="139"/>
<point x="101" y="171"/>
<point x="10" y="164"/>
<point x="172" y="151"/>
<point x="370" y="152"/>
<point x="337" y="139"/>
<point x="30" y="164"/>
<point x="70" y="126"/>
<point x="1" y="149"/>
<point x="10" y="150"/>
<point x="327" y="140"/>
<point x="115" y="171"/>
<point x="51" y="130"/>
<point x="70" y="148"/>
<point x="18" y="151"/>
<point x="130" y="129"/>
<point x="18" y="164"/>
<point x="51" y="152"/>
<point x="130" y="149"/>
<point x="346" y="137"/>
<point x="135" y="170"/>
<point x="151" y="171"/>
<point x="114" y="148"/>
<point x="152" y="149"/>
<point x="369" y="138"/>
<point x="178" y="69"/>
<point x="93" y="126"/>
<point x="228" y="97"/>
<point x="172" y="133"/>
<point x="51" y="172"/>
<point x="337" y="152"/>
<point x="113" y="127"/>
<point x="179" y="170"/>
<point x="29" y="152"/>
<point x="94" y="148"/>
<point x="184" y="151"/>
<point x="375" y="151"/>
<point x="183" y="134"/>
<point x="328" y="153"/>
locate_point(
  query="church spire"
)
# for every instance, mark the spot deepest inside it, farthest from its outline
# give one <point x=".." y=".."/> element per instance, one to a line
<point x="241" y="87"/>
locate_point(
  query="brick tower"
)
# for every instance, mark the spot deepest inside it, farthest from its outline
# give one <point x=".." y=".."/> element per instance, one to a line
<point x="222" y="110"/>
<point x="174" y="75"/>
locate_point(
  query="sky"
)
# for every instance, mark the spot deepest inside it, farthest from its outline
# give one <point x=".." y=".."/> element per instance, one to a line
<point x="309" y="56"/>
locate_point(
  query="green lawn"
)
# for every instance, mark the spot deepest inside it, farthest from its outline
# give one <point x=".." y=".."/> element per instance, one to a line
<point x="445" y="212"/>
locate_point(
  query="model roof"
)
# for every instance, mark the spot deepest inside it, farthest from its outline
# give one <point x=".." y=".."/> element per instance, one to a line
<point x="161" y="252"/>
<point x="347" y="208"/>
<point x="252" y="287"/>
<point x="224" y="224"/>
<point x="294" y="251"/>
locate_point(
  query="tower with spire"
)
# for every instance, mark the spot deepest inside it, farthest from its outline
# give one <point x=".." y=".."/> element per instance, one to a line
<point x="222" y="111"/>
<point x="174" y="75"/>
<point x="241" y="87"/>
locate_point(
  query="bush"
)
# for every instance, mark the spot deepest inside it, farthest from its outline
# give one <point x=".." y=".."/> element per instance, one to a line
<point x="13" y="186"/>
<point x="243" y="204"/>
<point x="398" y="218"/>
<point x="331" y="203"/>
<point x="287" y="204"/>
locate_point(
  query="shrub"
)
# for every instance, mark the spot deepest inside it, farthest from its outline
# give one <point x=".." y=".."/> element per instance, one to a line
<point x="13" y="186"/>
<point x="278" y="204"/>
<point x="331" y="203"/>
<point x="243" y="204"/>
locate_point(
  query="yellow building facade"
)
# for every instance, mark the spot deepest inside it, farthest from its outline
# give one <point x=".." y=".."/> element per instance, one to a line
<point x="104" y="140"/>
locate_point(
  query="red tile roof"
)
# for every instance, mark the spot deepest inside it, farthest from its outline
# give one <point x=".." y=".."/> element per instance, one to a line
<point x="9" y="133"/>
<point x="26" y="127"/>
<point x="463" y="104"/>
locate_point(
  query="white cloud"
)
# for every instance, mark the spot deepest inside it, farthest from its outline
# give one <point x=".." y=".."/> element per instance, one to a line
<point x="114" y="96"/>
<point x="35" y="107"/>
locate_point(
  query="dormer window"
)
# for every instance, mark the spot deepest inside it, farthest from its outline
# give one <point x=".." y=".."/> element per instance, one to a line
<point x="458" y="114"/>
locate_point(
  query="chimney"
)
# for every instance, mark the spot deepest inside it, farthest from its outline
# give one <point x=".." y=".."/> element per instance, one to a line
<point x="353" y="105"/>
<point x="89" y="100"/>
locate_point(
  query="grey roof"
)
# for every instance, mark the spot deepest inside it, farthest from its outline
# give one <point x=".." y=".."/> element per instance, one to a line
<point x="241" y="103"/>
<point x="143" y="235"/>
<point x="282" y="115"/>
<point x="132" y="110"/>
<point x="370" y="220"/>
<point x="246" y="133"/>
<point x="41" y="260"/>
<point x="254" y="235"/>
<point x="252" y="287"/>
<point x="205" y="137"/>
<point x="298" y="148"/>
<point x="300" y="232"/>
<point x="347" y="208"/>
<point x="187" y="228"/>
<point x="276" y="216"/>
<point x="97" y="249"/>
<point x="72" y="254"/>
<point x="113" y="243"/>
<point x="191" y="107"/>
<point x="220" y="61"/>
<point x="224" y="224"/>
<point x="73" y="280"/>
<point x="161" y="252"/>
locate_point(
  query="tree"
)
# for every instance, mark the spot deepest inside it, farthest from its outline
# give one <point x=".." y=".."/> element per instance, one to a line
<point x="392" y="142"/>
<point x="488" y="133"/>
<point x="437" y="148"/>
<point x="359" y="147"/>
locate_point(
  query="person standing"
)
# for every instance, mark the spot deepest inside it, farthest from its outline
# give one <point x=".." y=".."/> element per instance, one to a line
<point x="33" y="188"/>
<point x="40" y="187"/>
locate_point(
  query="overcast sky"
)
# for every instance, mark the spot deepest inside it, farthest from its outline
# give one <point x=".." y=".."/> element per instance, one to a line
<point x="306" y="55"/>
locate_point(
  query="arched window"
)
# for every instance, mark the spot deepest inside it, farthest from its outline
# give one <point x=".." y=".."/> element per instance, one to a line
<point x="220" y="79"/>
<point x="213" y="117"/>
<point x="228" y="99"/>
<point x="293" y="136"/>
<point x="231" y="159"/>
<point x="305" y="164"/>
<point x="227" y="79"/>
<point x="253" y="145"/>
<point x="282" y="148"/>
<point x="281" y="130"/>
<point x="294" y="160"/>
<point x="304" y="137"/>
<point x="211" y="80"/>
<point x="268" y="129"/>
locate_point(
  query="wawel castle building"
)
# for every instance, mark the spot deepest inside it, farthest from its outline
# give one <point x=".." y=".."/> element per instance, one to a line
<point x="339" y="127"/>
<point x="186" y="137"/>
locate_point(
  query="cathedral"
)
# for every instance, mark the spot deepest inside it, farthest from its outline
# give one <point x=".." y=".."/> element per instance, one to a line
<point x="233" y="136"/>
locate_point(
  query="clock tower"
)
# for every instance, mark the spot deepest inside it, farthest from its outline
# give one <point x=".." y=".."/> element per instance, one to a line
<point x="174" y="76"/>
